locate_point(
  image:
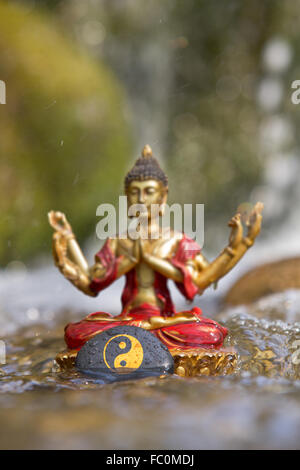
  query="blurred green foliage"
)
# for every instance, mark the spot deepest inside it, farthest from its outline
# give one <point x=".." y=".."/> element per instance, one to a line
<point x="213" y="50"/>
<point x="64" y="137"/>
<point x="194" y="67"/>
<point x="214" y="118"/>
<point x="209" y="86"/>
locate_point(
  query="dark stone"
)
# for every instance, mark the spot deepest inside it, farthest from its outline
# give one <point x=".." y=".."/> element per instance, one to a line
<point x="123" y="353"/>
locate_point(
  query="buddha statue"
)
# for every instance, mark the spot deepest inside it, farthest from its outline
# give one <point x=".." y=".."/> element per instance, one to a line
<point x="148" y="262"/>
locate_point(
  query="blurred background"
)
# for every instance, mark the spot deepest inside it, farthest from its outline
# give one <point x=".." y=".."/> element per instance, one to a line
<point x="206" y="84"/>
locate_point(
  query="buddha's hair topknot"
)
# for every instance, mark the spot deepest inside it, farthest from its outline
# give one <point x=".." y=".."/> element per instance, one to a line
<point x="146" y="168"/>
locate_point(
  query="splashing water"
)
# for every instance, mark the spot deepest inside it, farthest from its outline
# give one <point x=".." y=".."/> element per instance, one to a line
<point x="257" y="407"/>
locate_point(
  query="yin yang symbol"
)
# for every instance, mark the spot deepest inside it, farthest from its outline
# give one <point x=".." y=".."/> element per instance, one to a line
<point x="123" y="352"/>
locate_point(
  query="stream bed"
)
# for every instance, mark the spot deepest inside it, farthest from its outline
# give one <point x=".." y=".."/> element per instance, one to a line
<point x="258" y="407"/>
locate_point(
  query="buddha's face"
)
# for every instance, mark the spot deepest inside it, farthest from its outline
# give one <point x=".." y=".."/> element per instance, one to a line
<point x="147" y="193"/>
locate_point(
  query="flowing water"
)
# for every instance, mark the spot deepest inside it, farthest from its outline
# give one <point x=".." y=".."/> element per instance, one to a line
<point x="256" y="407"/>
<point x="41" y="407"/>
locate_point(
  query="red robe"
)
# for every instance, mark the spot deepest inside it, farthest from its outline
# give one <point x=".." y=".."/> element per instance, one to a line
<point x="205" y="333"/>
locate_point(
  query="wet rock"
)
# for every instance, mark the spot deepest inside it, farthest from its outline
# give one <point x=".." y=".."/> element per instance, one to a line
<point x="123" y="353"/>
<point x="264" y="280"/>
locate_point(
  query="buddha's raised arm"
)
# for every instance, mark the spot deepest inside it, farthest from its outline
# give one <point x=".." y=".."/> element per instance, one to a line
<point x="192" y="272"/>
<point x="207" y="274"/>
<point x="73" y="265"/>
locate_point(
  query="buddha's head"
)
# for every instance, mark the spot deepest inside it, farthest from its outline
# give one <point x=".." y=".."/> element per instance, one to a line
<point x="146" y="183"/>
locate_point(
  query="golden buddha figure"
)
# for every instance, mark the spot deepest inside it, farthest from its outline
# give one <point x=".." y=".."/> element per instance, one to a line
<point x="148" y="262"/>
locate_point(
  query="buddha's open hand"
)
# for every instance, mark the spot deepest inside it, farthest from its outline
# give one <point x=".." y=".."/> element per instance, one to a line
<point x="237" y="247"/>
<point x="236" y="234"/>
<point x="63" y="235"/>
<point x="59" y="222"/>
<point x="254" y="221"/>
